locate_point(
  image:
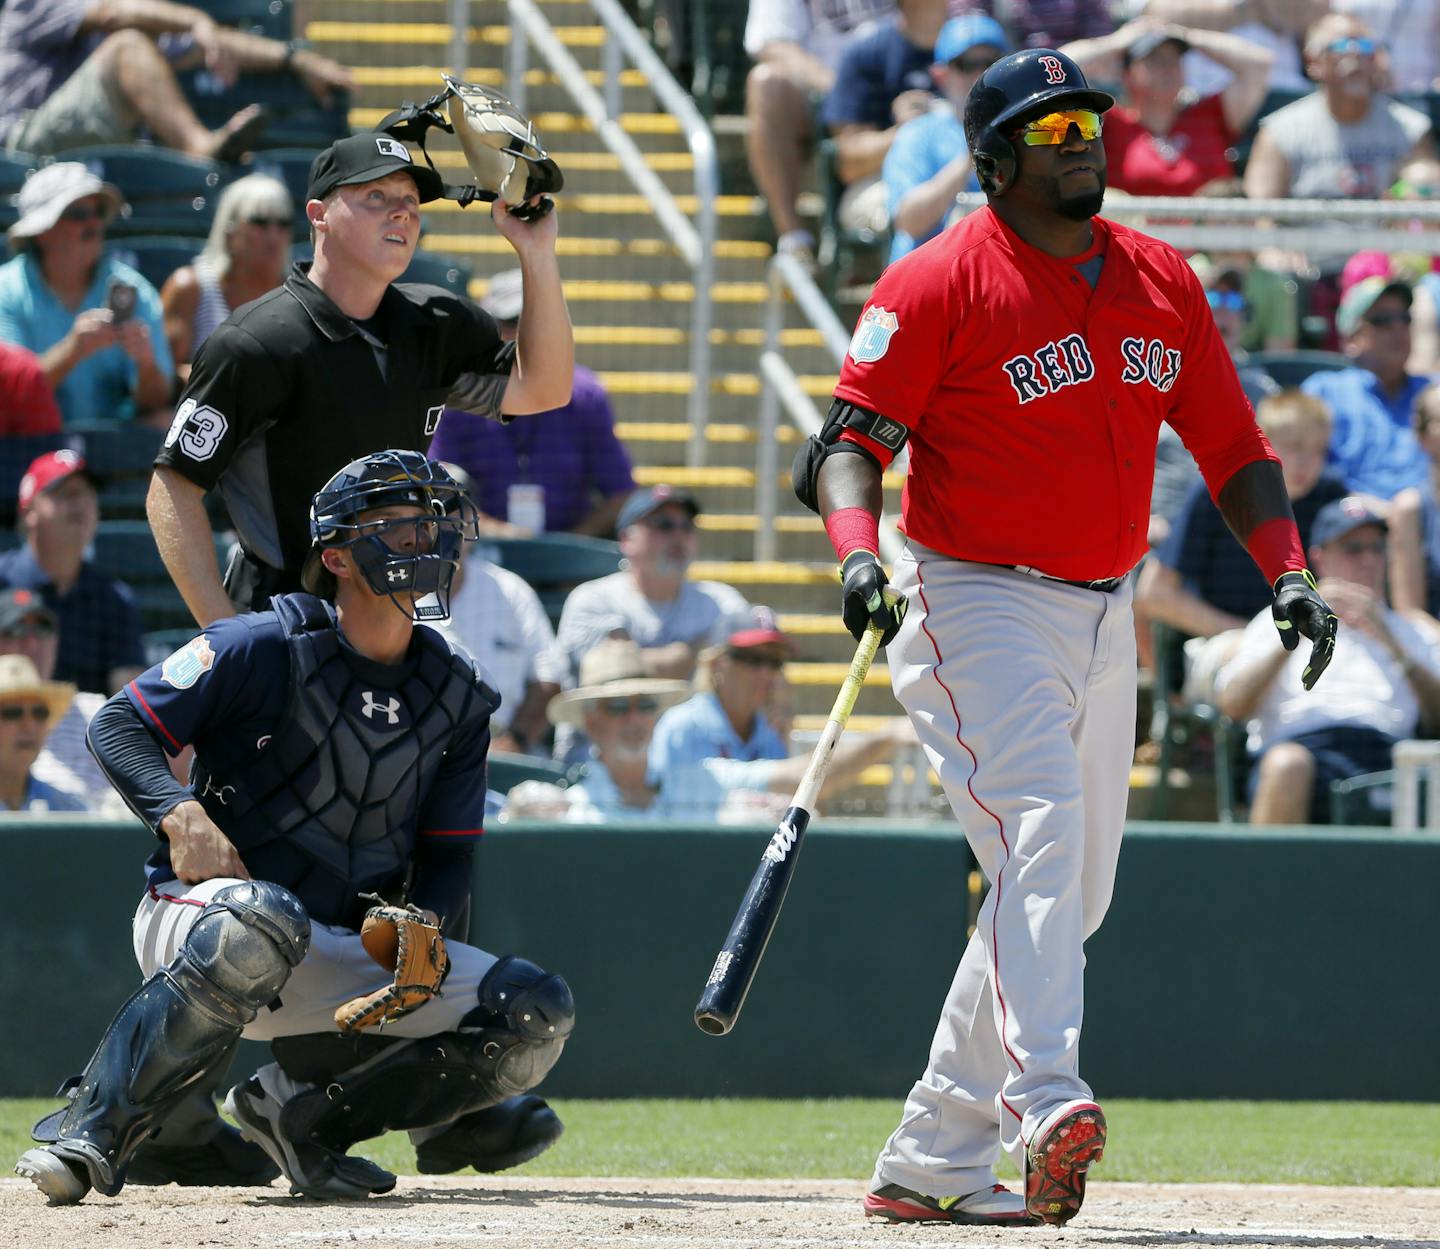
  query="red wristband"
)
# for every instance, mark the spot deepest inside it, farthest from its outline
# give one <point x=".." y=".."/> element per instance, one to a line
<point x="1275" y="548"/>
<point x="852" y="529"/>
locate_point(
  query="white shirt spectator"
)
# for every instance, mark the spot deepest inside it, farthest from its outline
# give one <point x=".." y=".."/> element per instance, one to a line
<point x="66" y="763"/>
<point x="727" y="791"/>
<point x="1363" y="686"/>
<point x="1353" y="161"/>
<point x="497" y="619"/>
<point x="821" y="27"/>
<point x="1410" y="31"/>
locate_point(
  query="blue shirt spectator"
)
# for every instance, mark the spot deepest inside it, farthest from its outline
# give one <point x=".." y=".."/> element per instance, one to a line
<point x="929" y="160"/>
<point x="873" y="72"/>
<point x="699" y="729"/>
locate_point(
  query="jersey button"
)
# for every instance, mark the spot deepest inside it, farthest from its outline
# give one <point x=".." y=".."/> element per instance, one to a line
<point x="1113" y="404"/>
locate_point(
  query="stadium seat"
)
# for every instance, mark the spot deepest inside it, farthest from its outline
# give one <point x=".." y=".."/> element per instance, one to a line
<point x="1273" y="99"/>
<point x="115" y="449"/>
<point x="1290" y="368"/>
<point x="156" y="257"/>
<point x="16" y="455"/>
<point x="296" y="118"/>
<point x="275" y="19"/>
<point x="291" y="165"/>
<point x="1174" y="725"/>
<point x="503" y="771"/>
<point x="166" y="192"/>
<point x="438" y="270"/>
<point x="126" y="549"/>
<point x="159" y="644"/>
<point x="718" y="58"/>
<point x="1350" y="798"/>
<point x="554" y="563"/>
<point x="15" y="167"/>
<point x="842" y="250"/>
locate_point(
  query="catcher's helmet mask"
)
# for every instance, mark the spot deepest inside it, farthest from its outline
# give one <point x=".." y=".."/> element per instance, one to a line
<point x="1016" y="89"/>
<point x="412" y="555"/>
<point x="410" y="123"/>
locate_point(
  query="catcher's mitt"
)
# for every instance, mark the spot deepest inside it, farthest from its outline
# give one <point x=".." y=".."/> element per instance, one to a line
<point x="402" y="939"/>
<point x="500" y="146"/>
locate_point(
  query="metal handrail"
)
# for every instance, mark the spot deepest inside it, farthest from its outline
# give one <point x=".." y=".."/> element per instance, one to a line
<point x="780" y="387"/>
<point x="695" y="243"/>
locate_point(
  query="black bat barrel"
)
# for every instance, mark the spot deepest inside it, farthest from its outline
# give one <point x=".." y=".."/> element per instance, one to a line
<point x="735" y="965"/>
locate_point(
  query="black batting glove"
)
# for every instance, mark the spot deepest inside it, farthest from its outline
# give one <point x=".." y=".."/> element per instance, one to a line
<point x="1298" y="608"/>
<point x="866" y="597"/>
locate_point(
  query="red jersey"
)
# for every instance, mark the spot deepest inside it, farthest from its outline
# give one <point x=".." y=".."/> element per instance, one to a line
<point x="1034" y="403"/>
<point x="1198" y="149"/>
<point x="27" y="404"/>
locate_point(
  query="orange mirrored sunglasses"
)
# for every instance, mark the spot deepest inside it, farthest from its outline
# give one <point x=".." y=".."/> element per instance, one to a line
<point x="1051" y="129"/>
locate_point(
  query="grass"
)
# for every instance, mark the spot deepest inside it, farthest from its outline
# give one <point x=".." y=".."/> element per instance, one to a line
<point x="1359" y="1143"/>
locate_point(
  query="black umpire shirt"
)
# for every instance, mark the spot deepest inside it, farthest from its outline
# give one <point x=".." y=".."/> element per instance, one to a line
<point x="289" y="390"/>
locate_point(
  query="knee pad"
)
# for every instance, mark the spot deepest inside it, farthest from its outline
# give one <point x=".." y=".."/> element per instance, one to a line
<point x="521" y="1023"/>
<point x="244" y="945"/>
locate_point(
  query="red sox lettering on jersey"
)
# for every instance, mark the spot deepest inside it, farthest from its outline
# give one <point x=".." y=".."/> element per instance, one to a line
<point x="1068" y="363"/>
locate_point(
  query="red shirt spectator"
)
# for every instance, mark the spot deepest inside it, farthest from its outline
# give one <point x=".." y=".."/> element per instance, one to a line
<point x="27" y="404"/>
<point x="1196" y="150"/>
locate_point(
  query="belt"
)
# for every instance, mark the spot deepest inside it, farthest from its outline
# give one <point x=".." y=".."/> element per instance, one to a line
<point x="1103" y="586"/>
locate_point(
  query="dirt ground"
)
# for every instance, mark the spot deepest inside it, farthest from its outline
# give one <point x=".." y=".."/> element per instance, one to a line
<point x="530" y="1212"/>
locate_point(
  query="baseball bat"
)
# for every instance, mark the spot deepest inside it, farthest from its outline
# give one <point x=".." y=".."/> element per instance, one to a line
<point x="739" y="958"/>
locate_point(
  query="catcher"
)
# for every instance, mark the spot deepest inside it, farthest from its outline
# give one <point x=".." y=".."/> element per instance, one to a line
<point x="297" y="890"/>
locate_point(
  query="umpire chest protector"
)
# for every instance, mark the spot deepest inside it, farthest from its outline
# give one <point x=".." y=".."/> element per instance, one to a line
<point x="329" y="807"/>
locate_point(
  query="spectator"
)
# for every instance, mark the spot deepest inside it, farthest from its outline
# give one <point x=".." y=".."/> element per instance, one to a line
<point x="1415" y="521"/>
<point x="561" y="471"/>
<point x="247" y="254"/>
<point x="1201" y="582"/>
<point x="29" y="628"/>
<point x="1046" y="23"/>
<point x="94" y="322"/>
<point x="1420" y="180"/>
<point x="28" y="707"/>
<point x="929" y="164"/>
<point x="1373" y="446"/>
<point x="1347" y="138"/>
<point x="882" y="83"/>
<point x="796" y="46"/>
<point x="1163" y="140"/>
<point x="100" y="648"/>
<point x="498" y="620"/>
<point x="726" y="717"/>
<point x="78" y="72"/>
<point x="1409" y="30"/>
<point x="1278" y="26"/>
<point x="1381" y="685"/>
<point x="27" y="404"/>
<point x="617" y="705"/>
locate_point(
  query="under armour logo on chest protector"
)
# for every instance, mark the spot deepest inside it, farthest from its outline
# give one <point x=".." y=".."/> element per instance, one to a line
<point x="390" y="708"/>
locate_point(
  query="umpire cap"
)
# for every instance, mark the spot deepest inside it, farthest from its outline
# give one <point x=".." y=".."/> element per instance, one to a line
<point x="364" y="158"/>
<point x="1025" y="84"/>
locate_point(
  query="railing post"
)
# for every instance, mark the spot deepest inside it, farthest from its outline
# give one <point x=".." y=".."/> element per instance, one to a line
<point x="766" y="458"/>
<point x="612" y="60"/>
<point x="517" y="58"/>
<point x="459" y="11"/>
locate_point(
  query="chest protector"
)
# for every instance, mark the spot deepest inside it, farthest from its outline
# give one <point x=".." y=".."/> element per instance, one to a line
<point x="328" y="808"/>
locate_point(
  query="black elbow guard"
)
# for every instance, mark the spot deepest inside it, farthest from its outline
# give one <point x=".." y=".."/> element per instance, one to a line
<point x="805" y="472"/>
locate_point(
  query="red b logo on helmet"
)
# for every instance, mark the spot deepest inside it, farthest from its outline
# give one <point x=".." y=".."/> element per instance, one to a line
<point x="1054" y="71"/>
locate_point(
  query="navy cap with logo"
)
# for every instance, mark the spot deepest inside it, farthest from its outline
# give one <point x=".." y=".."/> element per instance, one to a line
<point x="364" y="158"/>
<point x="651" y="499"/>
<point x="1336" y="519"/>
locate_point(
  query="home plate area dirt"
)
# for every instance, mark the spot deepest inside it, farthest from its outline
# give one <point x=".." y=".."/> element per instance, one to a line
<point x="530" y="1212"/>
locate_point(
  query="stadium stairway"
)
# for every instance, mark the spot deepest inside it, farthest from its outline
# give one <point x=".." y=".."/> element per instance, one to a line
<point x="629" y="294"/>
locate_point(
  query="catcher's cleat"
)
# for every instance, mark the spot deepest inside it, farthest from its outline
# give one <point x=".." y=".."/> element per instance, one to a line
<point x="495" y="1139"/>
<point x="227" y="1160"/>
<point x="312" y="1169"/>
<point x="1068" y="1143"/>
<point x="989" y="1207"/>
<point x="62" y="1181"/>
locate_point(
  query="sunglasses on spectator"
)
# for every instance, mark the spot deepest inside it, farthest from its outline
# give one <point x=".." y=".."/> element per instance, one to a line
<point x="671" y="524"/>
<point x="39" y="712"/>
<point x="82" y="214"/>
<point x="1051" y="130"/>
<point x="1384" y="320"/>
<point x="1361" y="47"/>
<point x="624" y="706"/>
<point x="1231" y="301"/>
<point x="973" y="64"/>
<point x="756" y="659"/>
<point x="281" y="223"/>
<point x="29" y="629"/>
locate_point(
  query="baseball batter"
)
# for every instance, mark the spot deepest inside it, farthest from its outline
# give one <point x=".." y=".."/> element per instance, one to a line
<point x="1028" y="356"/>
<point x="339" y="757"/>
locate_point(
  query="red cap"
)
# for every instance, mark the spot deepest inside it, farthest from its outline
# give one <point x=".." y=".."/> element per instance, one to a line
<point x="763" y="631"/>
<point x="48" y="470"/>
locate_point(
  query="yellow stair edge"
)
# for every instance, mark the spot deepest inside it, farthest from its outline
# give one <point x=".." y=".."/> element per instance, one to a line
<point x="599" y="162"/>
<point x="679" y="431"/>
<point x="660" y="475"/>
<point x="427" y="77"/>
<point x="859" y="724"/>
<point x="438" y="33"/>
<point x="744" y="384"/>
<point x="829" y="674"/>
<point x="567" y="245"/>
<point x="749" y="572"/>
<point x="591" y="290"/>
<point x="610" y="204"/>
<point x="555" y="123"/>
<point x="811" y="624"/>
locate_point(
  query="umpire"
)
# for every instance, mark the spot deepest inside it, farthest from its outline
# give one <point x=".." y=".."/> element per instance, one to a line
<point x="339" y="362"/>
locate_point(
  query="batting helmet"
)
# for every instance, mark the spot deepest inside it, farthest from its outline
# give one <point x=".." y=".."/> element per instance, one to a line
<point x="415" y="555"/>
<point x="1014" y="89"/>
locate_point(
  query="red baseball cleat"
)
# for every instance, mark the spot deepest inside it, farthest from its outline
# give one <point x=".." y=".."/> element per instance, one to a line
<point x="990" y="1207"/>
<point x="1067" y="1145"/>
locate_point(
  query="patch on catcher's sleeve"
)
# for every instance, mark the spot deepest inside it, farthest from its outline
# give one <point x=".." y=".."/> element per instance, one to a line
<point x="872" y="336"/>
<point x="198" y="429"/>
<point x="188" y="664"/>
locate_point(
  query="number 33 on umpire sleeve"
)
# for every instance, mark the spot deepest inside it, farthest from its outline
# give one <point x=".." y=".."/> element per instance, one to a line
<point x="198" y="429"/>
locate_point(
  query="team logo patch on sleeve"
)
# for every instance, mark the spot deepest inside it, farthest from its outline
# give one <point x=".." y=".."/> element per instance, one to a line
<point x="872" y="336"/>
<point x="188" y="664"/>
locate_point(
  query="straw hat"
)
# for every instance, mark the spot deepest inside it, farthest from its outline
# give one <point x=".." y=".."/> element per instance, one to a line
<point x="613" y="669"/>
<point x="19" y="678"/>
